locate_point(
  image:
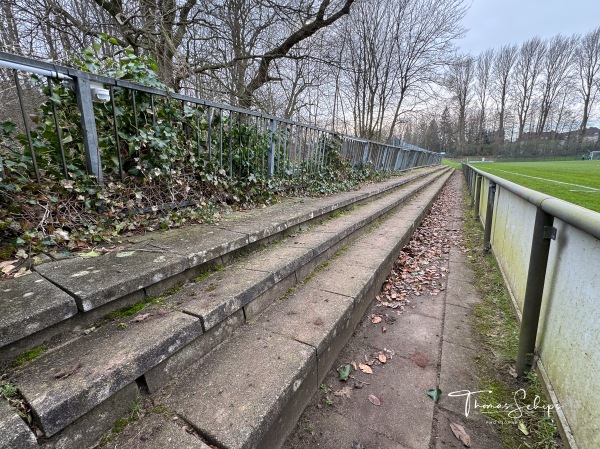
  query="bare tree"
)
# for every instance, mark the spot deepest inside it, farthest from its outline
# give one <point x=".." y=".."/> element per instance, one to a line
<point x="527" y="71"/>
<point x="504" y="62"/>
<point x="424" y="45"/>
<point x="556" y="71"/>
<point x="459" y="82"/>
<point x="587" y="60"/>
<point x="483" y="71"/>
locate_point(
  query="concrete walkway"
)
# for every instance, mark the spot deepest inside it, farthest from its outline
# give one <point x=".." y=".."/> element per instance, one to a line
<point x="429" y="343"/>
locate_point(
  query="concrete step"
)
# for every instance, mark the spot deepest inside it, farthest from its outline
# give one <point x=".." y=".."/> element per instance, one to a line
<point x="250" y="392"/>
<point x="67" y="296"/>
<point x="76" y="383"/>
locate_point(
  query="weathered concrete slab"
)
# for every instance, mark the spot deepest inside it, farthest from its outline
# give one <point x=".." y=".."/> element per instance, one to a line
<point x="170" y="368"/>
<point x="314" y="317"/>
<point x="458" y="322"/>
<point x="461" y="293"/>
<point x="63" y="385"/>
<point x="260" y="224"/>
<point x="457" y="374"/>
<point x="222" y="294"/>
<point x="234" y="396"/>
<point x="410" y="335"/>
<point x="265" y="299"/>
<point x="29" y="304"/>
<point x="14" y="433"/>
<point x="100" y="280"/>
<point x="199" y="244"/>
<point x="336" y="431"/>
<point x="482" y="435"/>
<point x="347" y="280"/>
<point x="281" y="260"/>
<point x="405" y="413"/>
<point x="460" y="271"/>
<point x="157" y="432"/>
<point x="88" y="430"/>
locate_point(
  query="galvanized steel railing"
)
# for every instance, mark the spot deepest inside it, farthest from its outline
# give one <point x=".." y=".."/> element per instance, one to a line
<point x="219" y="133"/>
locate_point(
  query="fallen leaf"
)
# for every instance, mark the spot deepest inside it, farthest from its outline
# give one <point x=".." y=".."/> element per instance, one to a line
<point x="7" y="263"/>
<point x="8" y="268"/>
<point x="374" y="400"/>
<point x="434" y="393"/>
<point x="141" y="317"/>
<point x="365" y="368"/>
<point x="523" y="428"/>
<point x="512" y="371"/>
<point x="344" y="392"/>
<point x="383" y="329"/>
<point x="382" y="358"/>
<point x="460" y="433"/>
<point x="67" y="371"/>
<point x="376" y="319"/>
<point x="21" y="254"/>
<point x="354" y="365"/>
<point x="344" y="371"/>
<point x="90" y="254"/>
<point x="22" y="272"/>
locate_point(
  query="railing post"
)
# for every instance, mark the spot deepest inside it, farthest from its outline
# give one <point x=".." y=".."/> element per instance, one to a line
<point x="477" y="194"/>
<point x="487" y="232"/>
<point x="543" y="232"/>
<point x="365" y="153"/>
<point x="271" y="154"/>
<point x="88" y="127"/>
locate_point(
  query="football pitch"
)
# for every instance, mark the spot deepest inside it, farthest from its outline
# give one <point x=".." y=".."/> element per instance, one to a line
<point x="575" y="181"/>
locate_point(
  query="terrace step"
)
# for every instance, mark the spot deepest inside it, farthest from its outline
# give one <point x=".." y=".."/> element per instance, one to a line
<point x="72" y="294"/>
<point x="74" y="381"/>
<point x="250" y="391"/>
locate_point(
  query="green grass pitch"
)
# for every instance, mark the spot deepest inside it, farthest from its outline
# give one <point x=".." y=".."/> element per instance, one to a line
<point x="575" y="181"/>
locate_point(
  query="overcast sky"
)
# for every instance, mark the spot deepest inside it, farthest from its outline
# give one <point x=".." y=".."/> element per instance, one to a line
<point x="493" y="23"/>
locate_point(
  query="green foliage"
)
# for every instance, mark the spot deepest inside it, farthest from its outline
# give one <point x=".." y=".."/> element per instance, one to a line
<point x="166" y="163"/>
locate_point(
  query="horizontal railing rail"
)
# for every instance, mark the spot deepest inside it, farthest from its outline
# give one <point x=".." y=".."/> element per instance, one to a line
<point x="123" y="124"/>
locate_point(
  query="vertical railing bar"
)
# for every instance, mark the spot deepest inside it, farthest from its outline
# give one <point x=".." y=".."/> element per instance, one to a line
<point x="26" y="124"/>
<point x="153" y="109"/>
<point x="209" y="132"/>
<point x="220" y="138"/>
<point x="58" y="130"/>
<point x="116" y="130"/>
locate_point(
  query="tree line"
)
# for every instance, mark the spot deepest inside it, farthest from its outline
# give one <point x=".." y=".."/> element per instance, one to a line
<point x="530" y="98"/>
<point x="384" y="70"/>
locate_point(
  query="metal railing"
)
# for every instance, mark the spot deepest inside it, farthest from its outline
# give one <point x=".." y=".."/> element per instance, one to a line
<point x="120" y="123"/>
<point x="548" y="250"/>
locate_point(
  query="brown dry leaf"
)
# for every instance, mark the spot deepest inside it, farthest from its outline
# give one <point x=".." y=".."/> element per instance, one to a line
<point x="365" y="368"/>
<point x="374" y="400"/>
<point x="384" y="329"/>
<point x="345" y="392"/>
<point x="141" y="317"/>
<point x="376" y="319"/>
<point x="67" y="371"/>
<point x="512" y="371"/>
<point x="460" y="433"/>
<point x="382" y="358"/>
<point x="354" y="365"/>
